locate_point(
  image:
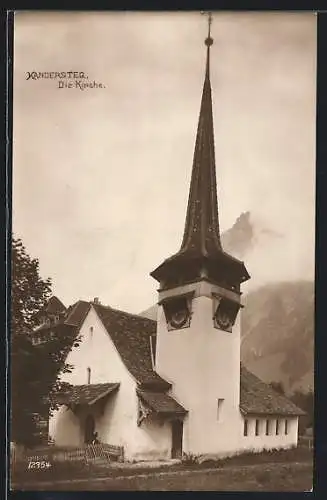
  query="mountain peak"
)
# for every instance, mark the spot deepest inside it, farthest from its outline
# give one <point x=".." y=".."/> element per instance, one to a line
<point x="239" y="238"/>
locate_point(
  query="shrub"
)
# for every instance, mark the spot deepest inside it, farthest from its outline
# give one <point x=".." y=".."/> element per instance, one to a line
<point x="190" y="459"/>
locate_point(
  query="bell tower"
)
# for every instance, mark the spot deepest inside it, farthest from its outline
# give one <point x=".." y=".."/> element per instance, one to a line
<point x="198" y="328"/>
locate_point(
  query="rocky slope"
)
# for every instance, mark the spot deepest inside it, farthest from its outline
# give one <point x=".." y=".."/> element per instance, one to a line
<point x="278" y="334"/>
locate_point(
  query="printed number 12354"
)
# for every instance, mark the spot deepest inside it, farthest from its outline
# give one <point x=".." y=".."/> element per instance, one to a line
<point x="39" y="465"/>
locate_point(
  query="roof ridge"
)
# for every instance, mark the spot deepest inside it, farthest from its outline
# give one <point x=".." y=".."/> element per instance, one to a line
<point x="73" y="309"/>
<point x="90" y="385"/>
<point x="135" y="316"/>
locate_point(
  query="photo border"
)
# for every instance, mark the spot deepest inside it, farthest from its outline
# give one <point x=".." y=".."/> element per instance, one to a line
<point x="320" y="441"/>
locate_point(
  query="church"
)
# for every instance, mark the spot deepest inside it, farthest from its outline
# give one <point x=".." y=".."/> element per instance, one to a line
<point x="161" y="389"/>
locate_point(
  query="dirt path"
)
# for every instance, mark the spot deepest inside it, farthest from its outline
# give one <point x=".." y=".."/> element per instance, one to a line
<point x="295" y="476"/>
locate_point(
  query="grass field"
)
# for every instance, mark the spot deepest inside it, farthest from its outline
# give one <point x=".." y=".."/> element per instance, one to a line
<point x="278" y="471"/>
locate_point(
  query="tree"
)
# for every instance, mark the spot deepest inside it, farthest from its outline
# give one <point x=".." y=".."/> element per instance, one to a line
<point x="29" y="294"/>
<point x="35" y="369"/>
<point x="305" y="401"/>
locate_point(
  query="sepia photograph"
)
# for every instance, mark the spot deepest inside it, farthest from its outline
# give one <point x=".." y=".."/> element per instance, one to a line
<point x="163" y="251"/>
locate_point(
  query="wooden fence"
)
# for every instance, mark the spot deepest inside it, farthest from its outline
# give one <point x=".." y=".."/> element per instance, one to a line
<point x="92" y="453"/>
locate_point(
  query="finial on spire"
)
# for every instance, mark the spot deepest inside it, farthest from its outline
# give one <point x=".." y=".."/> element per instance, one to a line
<point x="208" y="40"/>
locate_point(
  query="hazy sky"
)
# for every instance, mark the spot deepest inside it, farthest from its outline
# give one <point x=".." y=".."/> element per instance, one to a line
<point x="101" y="176"/>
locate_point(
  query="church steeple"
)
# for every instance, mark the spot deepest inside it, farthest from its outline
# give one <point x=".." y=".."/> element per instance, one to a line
<point x="201" y="254"/>
<point x="201" y="233"/>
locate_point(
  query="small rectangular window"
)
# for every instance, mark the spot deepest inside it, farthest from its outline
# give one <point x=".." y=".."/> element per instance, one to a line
<point x="219" y="408"/>
<point x="277" y="427"/>
<point x="286" y="426"/>
<point x="267" y="427"/>
<point x="246" y="427"/>
<point x="257" y="423"/>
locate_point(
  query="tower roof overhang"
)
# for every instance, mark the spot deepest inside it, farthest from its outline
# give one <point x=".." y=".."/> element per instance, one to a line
<point x="220" y="268"/>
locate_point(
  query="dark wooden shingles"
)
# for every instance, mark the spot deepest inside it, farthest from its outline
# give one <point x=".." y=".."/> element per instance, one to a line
<point x="161" y="402"/>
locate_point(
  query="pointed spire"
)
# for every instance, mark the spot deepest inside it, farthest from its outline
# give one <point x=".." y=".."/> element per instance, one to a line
<point x="202" y="226"/>
<point x="201" y="253"/>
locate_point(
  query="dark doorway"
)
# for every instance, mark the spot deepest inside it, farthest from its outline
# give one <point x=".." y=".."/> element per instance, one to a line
<point x="177" y="439"/>
<point x="89" y="429"/>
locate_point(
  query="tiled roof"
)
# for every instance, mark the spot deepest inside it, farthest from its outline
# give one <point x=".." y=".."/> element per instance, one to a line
<point x="161" y="403"/>
<point x="131" y="336"/>
<point x="77" y="313"/>
<point x="259" y="398"/>
<point x="86" y="394"/>
<point x="72" y="320"/>
<point x="55" y="306"/>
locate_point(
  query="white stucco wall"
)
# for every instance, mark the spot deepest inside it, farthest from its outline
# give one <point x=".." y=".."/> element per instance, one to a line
<point x="203" y="363"/>
<point x="272" y="441"/>
<point x="205" y="367"/>
<point x="116" y="422"/>
<point x="64" y="427"/>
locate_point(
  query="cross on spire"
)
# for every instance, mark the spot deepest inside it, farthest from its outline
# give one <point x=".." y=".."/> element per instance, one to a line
<point x="209" y="40"/>
<point x="209" y="22"/>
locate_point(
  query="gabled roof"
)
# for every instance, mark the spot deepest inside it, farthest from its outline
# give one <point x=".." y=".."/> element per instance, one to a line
<point x="259" y="398"/>
<point x="161" y="403"/>
<point x="77" y="313"/>
<point x="131" y="335"/>
<point x="55" y="306"/>
<point x="86" y="394"/>
<point x="72" y="319"/>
